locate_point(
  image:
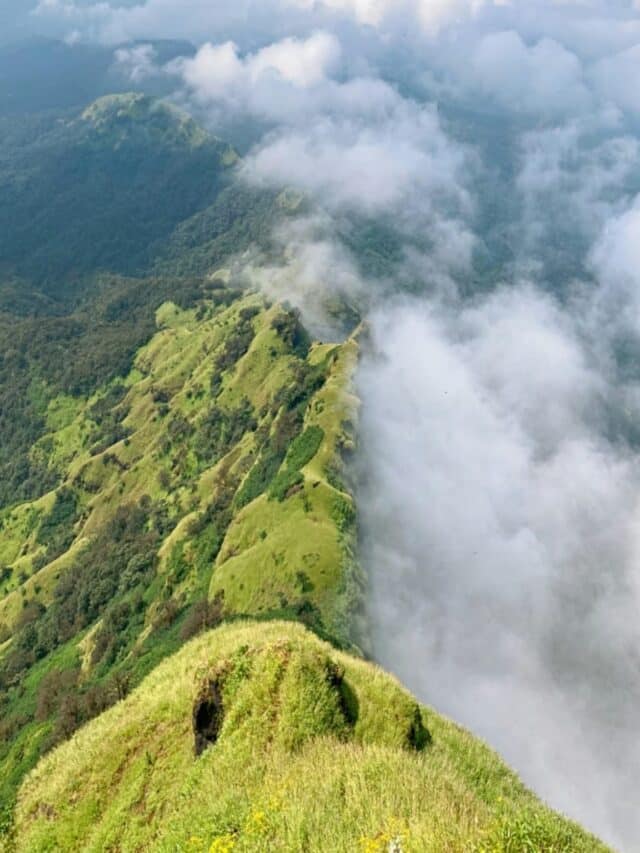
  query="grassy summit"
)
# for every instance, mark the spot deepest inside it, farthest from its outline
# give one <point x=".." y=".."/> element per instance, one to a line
<point x="260" y="737"/>
<point x="121" y="118"/>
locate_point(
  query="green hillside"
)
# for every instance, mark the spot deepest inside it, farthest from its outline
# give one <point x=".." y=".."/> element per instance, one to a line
<point x="206" y="484"/>
<point x="105" y="213"/>
<point x="98" y="189"/>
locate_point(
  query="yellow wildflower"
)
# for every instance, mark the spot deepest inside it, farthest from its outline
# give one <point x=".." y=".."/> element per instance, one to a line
<point x="275" y="804"/>
<point x="389" y="840"/>
<point x="222" y="844"/>
<point x="257" y="823"/>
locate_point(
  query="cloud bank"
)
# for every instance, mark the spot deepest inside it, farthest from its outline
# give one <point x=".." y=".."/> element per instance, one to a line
<point x="502" y="527"/>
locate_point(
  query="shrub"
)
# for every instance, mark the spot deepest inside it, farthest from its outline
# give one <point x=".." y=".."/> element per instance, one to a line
<point x="306" y="381"/>
<point x="305" y="582"/>
<point x="166" y="614"/>
<point x="302" y="450"/>
<point x="343" y="513"/>
<point x="203" y="615"/>
<point x="56" y="529"/>
<point x="284" y="484"/>
<point x="219" y="430"/>
<point x="52" y="688"/>
<point x="236" y="344"/>
<point x="291" y="331"/>
<point x="304" y="447"/>
<point x="260" y="477"/>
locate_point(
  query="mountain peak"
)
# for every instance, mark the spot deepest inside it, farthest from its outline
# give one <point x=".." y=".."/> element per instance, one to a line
<point x="125" y="115"/>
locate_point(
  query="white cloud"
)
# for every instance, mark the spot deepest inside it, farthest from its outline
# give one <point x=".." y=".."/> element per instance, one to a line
<point x="435" y="14"/>
<point x="501" y="534"/>
<point x="616" y="256"/>
<point x="543" y="78"/>
<point x="615" y="259"/>
<point x="314" y="272"/>
<point x="350" y="144"/>
<point x="137" y="63"/>
<point x="573" y="178"/>
<point x="366" y="11"/>
<point x="372" y="167"/>
<point x="218" y="72"/>
<point x="430" y="14"/>
<point x="617" y="78"/>
<point x="303" y="63"/>
<point x="189" y="19"/>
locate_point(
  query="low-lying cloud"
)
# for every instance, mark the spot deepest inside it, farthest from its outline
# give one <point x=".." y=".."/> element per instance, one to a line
<point x="501" y="530"/>
<point x="217" y="72"/>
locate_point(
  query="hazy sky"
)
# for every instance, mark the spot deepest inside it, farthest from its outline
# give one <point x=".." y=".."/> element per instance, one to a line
<point x="500" y="471"/>
<point x="13" y="18"/>
<point x="18" y="21"/>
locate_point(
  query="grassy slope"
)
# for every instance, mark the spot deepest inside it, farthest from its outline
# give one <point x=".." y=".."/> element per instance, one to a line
<point x="179" y="361"/>
<point x="317" y="751"/>
<point x="172" y="382"/>
<point x="302" y="535"/>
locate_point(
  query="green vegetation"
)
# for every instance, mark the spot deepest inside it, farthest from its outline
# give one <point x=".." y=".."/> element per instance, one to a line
<point x="301" y="452"/>
<point x="142" y="545"/>
<point x="106" y="213"/>
<point x="56" y="530"/>
<point x="261" y="737"/>
<point x="152" y="165"/>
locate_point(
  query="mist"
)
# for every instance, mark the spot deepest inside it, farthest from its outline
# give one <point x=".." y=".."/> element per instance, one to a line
<point x="500" y="528"/>
<point x="470" y="179"/>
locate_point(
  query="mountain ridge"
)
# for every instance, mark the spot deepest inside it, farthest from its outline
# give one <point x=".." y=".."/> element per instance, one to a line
<point x="261" y="737"/>
<point x="183" y="466"/>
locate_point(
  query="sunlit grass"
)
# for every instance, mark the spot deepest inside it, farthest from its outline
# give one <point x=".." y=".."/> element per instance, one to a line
<point x="289" y="771"/>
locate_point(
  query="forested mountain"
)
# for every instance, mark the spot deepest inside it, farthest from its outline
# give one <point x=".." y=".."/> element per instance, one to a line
<point x="174" y="460"/>
<point x="91" y="202"/>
